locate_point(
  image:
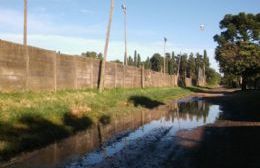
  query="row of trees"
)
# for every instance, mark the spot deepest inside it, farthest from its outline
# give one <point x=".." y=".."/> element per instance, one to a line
<point x="183" y="65"/>
<point x="136" y="61"/>
<point x="238" y="50"/>
<point x="93" y="55"/>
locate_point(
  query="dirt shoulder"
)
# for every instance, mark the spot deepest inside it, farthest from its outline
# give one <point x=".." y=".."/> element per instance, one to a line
<point x="233" y="141"/>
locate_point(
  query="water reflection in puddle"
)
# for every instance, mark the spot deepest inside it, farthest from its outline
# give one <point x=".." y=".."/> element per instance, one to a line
<point x="187" y="114"/>
<point x="127" y="138"/>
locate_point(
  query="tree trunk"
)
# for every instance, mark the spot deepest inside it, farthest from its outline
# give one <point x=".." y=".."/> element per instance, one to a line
<point x="178" y="71"/>
<point x="244" y="83"/>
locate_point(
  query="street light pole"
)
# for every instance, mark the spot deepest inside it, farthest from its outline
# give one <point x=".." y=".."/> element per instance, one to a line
<point x="25" y="45"/>
<point x="125" y="26"/>
<point x="25" y="24"/>
<point x="202" y="28"/>
<point x="103" y="64"/>
<point x="164" y="60"/>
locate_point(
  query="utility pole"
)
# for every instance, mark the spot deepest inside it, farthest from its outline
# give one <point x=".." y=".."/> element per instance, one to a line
<point x="25" y="45"/>
<point x="125" y="26"/>
<point x="25" y="24"/>
<point x="164" y="60"/>
<point x="202" y="29"/>
<point x="103" y="64"/>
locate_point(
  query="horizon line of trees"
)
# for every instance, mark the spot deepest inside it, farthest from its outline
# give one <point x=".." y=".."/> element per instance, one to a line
<point x="182" y="65"/>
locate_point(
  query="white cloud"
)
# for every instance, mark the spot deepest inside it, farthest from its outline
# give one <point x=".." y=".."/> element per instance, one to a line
<point x="44" y="32"/>
<point x="12" y="21"/>
<point x="76" y="45"/>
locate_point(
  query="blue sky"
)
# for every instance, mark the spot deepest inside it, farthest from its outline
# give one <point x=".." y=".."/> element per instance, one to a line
<point x="75" y="26"/>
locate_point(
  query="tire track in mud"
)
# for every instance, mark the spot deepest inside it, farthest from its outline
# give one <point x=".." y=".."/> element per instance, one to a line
<point x="149" y="151"/>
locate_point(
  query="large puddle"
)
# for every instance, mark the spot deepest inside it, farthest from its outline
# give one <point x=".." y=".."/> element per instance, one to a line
<point x="127" y="141"/>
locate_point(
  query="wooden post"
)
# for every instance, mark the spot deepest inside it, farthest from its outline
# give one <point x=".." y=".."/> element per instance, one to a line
<point x="151" y="78"/>
<point x="55" y="71"/>
<point x="142" y="77"/>
<point x="75" y="73"/>
<point x="124" y="76"/>
<point x="27" y="57"/>
<point x="91" y="74"/>
<point x="133" y="79"/>
<point x="115" y="74"/>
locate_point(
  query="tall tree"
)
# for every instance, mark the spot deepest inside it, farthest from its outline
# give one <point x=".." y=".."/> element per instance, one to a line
<point x="130" y="61"/>
<point x="213" y="78"/>
<point x="206" y="66"/>
<point x="139" y="62"/>
<point x="199" y="62"/>
<point x="206" y="59"/>
<point x="147" y="63"/>
<point x="167" y="62"/>
<point x="156" y="62"/>
<point x="192" y="67"/>
<point x="238" y="50"/>
<point x="172" y="66"/>
<point x="183" y="68"/>
<point x="117" y="61"/>
<point x="135" y="58"/>
<point x="88" y="54"/>
<point x="174" y="61"/>
<point x="100" y="56"/>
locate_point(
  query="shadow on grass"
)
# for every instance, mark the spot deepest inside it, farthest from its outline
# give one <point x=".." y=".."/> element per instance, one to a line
<point x="33" y="131"/>
<point x="144" y="102"/>
<point x="105" y="120"/>
<point x="77" y="123"/>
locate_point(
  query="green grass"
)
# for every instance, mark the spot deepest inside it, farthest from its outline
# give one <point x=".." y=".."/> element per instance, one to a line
<point x="30" y="120"/>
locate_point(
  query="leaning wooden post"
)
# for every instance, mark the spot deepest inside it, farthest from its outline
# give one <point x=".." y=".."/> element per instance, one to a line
<point x="103" y="63"/>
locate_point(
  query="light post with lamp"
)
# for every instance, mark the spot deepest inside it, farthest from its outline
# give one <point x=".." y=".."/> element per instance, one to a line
<point x="125" y="31"/>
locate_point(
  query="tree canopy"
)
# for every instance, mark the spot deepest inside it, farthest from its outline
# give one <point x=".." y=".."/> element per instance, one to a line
<point x="156" y="62"/>
<point x="238" y="50"/>
<point x="92" y="54"/>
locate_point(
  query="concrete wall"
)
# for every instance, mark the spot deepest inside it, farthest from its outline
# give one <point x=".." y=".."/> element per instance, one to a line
<point x="188" y="82"/>
<point x="201" y="81"/>
<point x="49" y="70"/>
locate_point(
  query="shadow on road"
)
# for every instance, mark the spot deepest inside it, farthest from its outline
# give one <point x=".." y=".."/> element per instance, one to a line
<point x="232" y="142"/>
